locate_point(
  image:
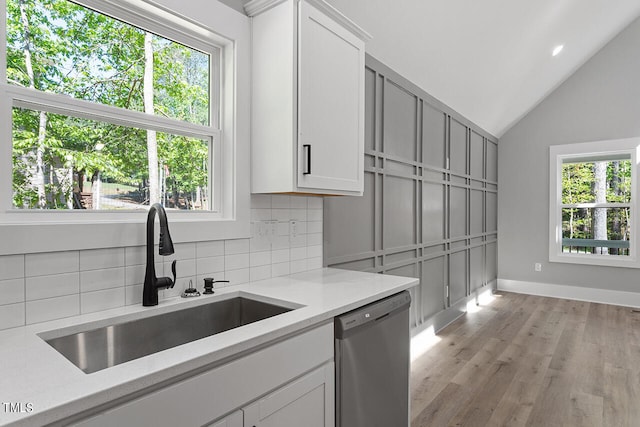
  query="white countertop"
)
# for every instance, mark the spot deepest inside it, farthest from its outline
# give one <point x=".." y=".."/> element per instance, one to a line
<point x="32" y="372"/>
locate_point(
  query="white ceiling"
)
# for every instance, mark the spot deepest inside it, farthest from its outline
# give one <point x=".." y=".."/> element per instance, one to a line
<point x="489" y="60"/>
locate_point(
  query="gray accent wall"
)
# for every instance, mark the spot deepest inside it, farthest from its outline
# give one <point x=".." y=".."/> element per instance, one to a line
<point x="430" y="201"/>
<point x="600" y="101"/>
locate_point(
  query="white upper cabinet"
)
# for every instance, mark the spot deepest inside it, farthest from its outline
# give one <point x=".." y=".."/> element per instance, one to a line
<point x="307" y="131"/>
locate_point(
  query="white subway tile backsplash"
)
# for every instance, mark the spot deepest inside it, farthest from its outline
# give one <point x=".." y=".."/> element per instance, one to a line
<point x="133" y="294"/>
<point x="209" y="264"/>
<point x="283" y="228"/>
<point x="257" y="244"/>
<point x="260" y="214"/>
<point x="47" y="286"/>
<point x="11" y="291"/>
<point x="299" y="214"/>
<point x="299" y="202"/>
<point x="260" y="273"/>
<point x="257" y="259"/>
<point x="51" y="263"/>
<point x="236" y="246"/>
<point x="55" y="285"/>
<point x="314" y="227"/>
<point x="96" y="259"/>
<point x="237" y="277"/>
<point x="298" y="266"/>
<point x="95" y="280"/>
<point x="210" y="249"/>
<point x="298" y="241"/>
<point x="314" y="215"/>
<point x="314" y="251"/>
<point x="280" y="242"/>
<point x="12" y="315"/>
<point x="279" y="201"/>
<point x="280" y="255"/>
<point x="315" y="202"/>
<point x="280" y="269"/>
<point x="134" y="255"/>
<point x="182" y="251"/>
<point x="314" y="239"/>
<point x="259" y="201"/>
<point x="314" y="263"/>
<point x="298" y="253"/>
<point x="102" y="300"/>
<point x="11" y="267"/>
<point x="301" y="227"/>
<point x="184" y="268"/>
<point x="281" y="214"/>
<point x="235" y="262"/>
<point x="134" y="274"/>
<point x="43" y="310"/>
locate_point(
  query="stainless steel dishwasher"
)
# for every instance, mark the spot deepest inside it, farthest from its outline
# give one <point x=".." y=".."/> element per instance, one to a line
<point x="372" y="364"/>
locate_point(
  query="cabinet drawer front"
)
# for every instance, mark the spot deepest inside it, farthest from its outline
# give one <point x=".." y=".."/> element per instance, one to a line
<point x="308" y="401"/>
<point x="211" y="395"/>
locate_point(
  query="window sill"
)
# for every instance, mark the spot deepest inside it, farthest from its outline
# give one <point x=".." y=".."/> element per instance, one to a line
<point x="599" y="260"/>
<point x="20" y="237"/>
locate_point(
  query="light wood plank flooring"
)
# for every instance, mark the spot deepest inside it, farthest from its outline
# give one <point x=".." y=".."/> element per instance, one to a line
<point x="524" y="360"/>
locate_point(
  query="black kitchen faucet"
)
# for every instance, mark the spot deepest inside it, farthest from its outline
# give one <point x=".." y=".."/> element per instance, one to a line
<point x="151" y="282"/>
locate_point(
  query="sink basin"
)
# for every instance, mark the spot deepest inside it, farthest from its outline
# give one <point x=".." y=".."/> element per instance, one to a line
<point x="100" y="348"/>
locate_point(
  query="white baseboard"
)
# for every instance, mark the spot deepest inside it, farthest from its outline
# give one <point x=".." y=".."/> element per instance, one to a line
<point x="578" y="293"/>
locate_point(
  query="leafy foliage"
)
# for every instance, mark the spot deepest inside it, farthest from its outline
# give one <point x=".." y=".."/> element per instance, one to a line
<point x="86" y="55"/>
<point x="578" y="187"/>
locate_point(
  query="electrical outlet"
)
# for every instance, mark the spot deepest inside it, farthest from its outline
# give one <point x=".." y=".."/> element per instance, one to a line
<point x="273" y="230"/>
<point x="537" y="266"/>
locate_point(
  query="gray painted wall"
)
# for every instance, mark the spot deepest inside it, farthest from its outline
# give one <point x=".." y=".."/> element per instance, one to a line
<point x="419" y="217"/>
<point x="600" y="101"/>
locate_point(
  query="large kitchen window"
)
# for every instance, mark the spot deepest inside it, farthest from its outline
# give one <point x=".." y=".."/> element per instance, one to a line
<point x="109" y="106"/>
<point x="593" y="214"/>
<point x="107" y="115"/>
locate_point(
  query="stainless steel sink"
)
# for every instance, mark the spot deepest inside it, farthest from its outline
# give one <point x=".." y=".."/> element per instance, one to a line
<point x="100" y="348"/>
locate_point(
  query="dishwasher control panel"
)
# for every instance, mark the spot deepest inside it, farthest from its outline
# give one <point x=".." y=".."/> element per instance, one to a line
<point x="372" y="312"/>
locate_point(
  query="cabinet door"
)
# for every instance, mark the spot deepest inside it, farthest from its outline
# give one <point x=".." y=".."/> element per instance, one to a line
<point x="233" y="420"/>
<point x="308" y="401"/>
<point x="330" y="104"/>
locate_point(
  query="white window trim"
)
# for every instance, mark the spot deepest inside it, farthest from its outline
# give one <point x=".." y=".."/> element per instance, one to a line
<point x="40" y="231"/>
<point x="558" y="153"/>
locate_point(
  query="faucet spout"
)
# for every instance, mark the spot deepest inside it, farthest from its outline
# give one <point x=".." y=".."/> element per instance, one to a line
<point x="151" y="282"/>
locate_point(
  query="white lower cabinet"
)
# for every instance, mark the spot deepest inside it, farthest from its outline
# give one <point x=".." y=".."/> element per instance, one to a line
<point x="300" y="369"/>
<point x="308" y="401"/>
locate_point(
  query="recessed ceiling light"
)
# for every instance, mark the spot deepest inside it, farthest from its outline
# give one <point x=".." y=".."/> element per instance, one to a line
<point x="557" y="50"/>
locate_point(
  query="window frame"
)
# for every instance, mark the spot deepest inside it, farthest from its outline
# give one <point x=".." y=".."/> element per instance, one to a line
<point x="228" y="217"/>
<point x="584" y="152"/>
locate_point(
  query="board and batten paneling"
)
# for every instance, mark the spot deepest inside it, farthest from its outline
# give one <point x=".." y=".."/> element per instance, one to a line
<point x="430" y="201"/>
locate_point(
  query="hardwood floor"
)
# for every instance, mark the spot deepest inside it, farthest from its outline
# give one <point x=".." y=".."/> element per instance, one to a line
<point x="524" y="360"/>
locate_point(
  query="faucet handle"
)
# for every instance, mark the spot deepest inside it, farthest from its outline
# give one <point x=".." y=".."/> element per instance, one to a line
<point x="173" y="270"/>
<point x="166" y="282"/>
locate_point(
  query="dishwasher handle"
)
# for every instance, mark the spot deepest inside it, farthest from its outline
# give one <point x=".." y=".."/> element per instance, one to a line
<point x="372" y="313"/>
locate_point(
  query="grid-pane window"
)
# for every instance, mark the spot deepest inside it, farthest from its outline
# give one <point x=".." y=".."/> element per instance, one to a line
<point x="108" y="114"/>
<point x="596" y="206"/>
<point x="593" y="196"/>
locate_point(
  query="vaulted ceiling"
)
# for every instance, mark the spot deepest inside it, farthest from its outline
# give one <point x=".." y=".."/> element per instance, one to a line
<point x="490" y="60"/>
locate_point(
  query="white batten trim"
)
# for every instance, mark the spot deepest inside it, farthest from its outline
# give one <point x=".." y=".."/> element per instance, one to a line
<point x="578" y="293"/>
